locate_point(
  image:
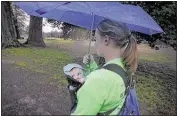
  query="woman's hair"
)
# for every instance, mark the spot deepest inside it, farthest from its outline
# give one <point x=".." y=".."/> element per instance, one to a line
<point x="121" y="35"/>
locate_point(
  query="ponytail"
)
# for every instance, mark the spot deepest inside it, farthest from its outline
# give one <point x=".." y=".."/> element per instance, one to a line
<point x="122" y="37"/>
<point x="130" y="55"/>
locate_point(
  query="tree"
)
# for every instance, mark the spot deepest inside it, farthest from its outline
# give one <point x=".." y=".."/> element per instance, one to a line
<point x="20" y="21"/>
<point x="14" y="9"/>
<point x="69" y="30"/>
<point x="163" y="13"/>
<point x="35" y="37"/>
<point x="80" y="34"/>
<point x="55" y="23"/>
<point x="8" y="33"/>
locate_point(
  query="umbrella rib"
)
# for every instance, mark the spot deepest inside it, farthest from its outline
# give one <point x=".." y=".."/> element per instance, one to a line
<point x="91" y="32"/>
<point x="101" y="8"/>
<point x="38" y="5"/>
<point x="54" y="7"/>
<point x="89" y="7"/>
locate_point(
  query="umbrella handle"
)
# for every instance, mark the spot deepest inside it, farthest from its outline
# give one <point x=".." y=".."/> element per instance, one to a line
<point x="89" y="59"/>
<point x="91" y="35"/>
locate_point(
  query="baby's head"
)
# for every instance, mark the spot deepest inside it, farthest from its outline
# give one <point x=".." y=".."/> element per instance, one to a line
<point x="77" y="74"/>
<point x="75" y="71"/>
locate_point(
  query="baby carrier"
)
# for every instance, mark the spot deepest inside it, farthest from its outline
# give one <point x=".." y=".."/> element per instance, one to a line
<point x="73" y="85"/>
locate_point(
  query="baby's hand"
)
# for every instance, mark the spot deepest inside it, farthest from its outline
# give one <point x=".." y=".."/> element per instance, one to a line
<point x="88" y="58"/>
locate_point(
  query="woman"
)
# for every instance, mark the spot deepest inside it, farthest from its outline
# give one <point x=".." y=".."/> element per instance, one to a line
<point x="104" y="90"/>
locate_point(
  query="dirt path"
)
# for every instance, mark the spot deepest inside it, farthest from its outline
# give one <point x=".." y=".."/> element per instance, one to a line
<point x="25" y="92"/>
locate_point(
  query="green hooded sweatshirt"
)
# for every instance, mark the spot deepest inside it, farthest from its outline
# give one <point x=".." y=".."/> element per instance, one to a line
<point x="102" y="91"/>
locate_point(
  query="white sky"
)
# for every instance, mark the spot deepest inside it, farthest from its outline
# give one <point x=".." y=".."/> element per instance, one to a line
<point x="47" y="28"/>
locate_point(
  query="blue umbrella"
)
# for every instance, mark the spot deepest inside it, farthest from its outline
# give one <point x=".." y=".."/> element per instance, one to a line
<point x="89" y="14"/>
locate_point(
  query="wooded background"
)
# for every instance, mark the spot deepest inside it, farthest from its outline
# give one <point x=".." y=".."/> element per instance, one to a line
<point x="13" y="26"/>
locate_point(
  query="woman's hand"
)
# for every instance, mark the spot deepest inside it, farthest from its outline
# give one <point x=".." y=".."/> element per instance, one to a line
<point x="88" y="58"/>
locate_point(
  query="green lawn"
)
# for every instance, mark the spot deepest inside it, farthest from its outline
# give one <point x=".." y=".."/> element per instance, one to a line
<point x="159" y="94"/>
<point x="155" y="58"/>
<point x="44" y="60"/>
<point x="58" y="40"/>
<point x="147" y="91"/>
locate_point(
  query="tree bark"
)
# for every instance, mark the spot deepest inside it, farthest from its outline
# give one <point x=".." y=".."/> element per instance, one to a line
<point x="35" y="37"/>
<point x="67" y="27"/>
<point x="8" y="35"/>
<point x="16" y="24"/>
<point x="17" y="30"/>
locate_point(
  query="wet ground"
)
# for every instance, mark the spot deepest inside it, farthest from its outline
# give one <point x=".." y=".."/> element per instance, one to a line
<point x="25" y="92"/>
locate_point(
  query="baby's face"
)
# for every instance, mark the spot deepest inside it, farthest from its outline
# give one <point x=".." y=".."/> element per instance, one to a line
<point x="78" y="74"/>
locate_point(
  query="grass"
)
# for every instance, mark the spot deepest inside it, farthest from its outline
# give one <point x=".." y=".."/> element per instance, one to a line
<point x="148" y="90"/>
<point x="58" y="40"/>
<point x="51" y="61"/>
<point x="46" y="60"/>
<point x="22" y="64"/>
<point x="155" y="58"/>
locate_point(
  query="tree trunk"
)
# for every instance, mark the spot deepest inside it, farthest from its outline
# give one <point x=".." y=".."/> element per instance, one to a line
<point x="17" y="29"/>
<point x="9" y="36"/>
<point x="35" y="37"/>
<point x="16" y="24"/>
<point x="66" y="30"/>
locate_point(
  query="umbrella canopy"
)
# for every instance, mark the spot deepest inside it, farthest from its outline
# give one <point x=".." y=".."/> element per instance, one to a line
<point x="89" y="14"/>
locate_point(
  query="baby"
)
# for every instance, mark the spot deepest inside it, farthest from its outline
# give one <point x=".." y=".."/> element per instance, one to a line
<point x="76" y="76"/>
<point x="75" y="72"/>
<point x="78" y="73"/>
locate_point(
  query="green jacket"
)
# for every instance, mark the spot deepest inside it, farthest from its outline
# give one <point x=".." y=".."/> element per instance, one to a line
<point x="102" y="91"/>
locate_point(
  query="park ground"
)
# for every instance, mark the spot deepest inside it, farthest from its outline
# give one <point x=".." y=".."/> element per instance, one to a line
<point x="33" y="83"/>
